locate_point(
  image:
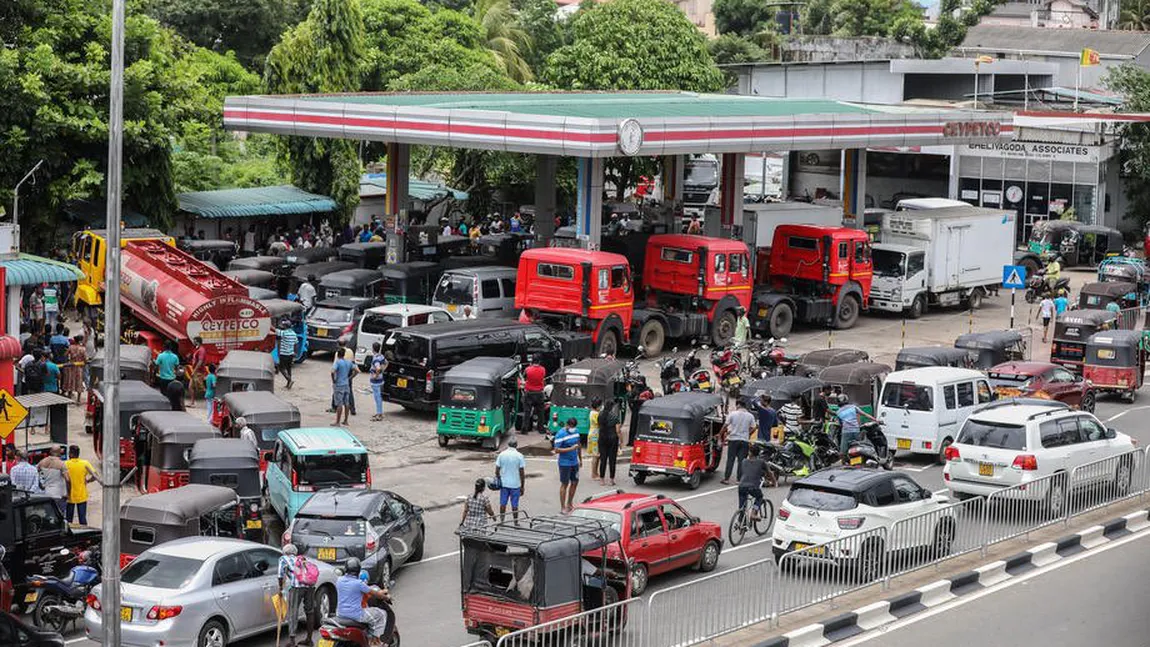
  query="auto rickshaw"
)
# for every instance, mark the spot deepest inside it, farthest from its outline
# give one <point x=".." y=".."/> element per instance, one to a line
<point x="782" y="389"/>
<point x="253" y="278"/>
<point x="678" y="435"/>
<point x="217" y="252"/>
<point x="534" y="572"/>
<point x="293" y="310"/>
<point x="166" y="436"/>
<point x="136" y="397"/>
<point x="273" y="264"/>
<point x="366" y="256"/>
<point x="922" y="356"/>
<point x="810" y="364"/>
<point x="1090" y="244"/>
<point x="232" y="463"/>
<point x="265" y="412"/>
<point x="861" y="382"/>
<point x="310" y="256"/>
<point x="479" y="399"/>
<point x="1115" y="361"/>
<point x="135" y="364"/>
<point x="412" y="282"/>
<point x="245" y="370"/>
<point x="994" y="347"/>
<point x="1096" y="296"/>
<point x="190" y="511"/>
<point x="574" y="385"/>
<point x="351" y="283"/>
<point x="1071" y="330"/>
<point x="1047" y="235"/>
<point x="506" y="247"/>
<point x="301" y="273"/>
<point x="1124" y="268"/>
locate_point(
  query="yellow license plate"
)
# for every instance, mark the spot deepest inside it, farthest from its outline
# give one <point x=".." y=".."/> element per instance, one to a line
<point x="401" y="382"/>
<point x="734" y="379"/>
<point x="126" y="614"/>
<point x="903" y="443"/>
<point x="451" y="307"/>
<point x="1009" y="393"/>
<point x="483" y="429"/>
<point x="326" y="554"/>
<point x="816" y="550"/>
<point x="986" y="469"/>
<point x="254" y="523"/>
<point x="762" y="312"/>
<point x="31" y="596"/>
<point x="681" y="463"/>
<point x="321" y="332"/>
<point x="704" y="385"/>
<point x="856" y="460"/>
<point x="324" y="642"/>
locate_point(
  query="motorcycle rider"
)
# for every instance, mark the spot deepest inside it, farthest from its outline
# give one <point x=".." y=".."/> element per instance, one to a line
<point x="1053" y="272"/>
<point x="350" y="597"/>
<point x="848" y="415"/>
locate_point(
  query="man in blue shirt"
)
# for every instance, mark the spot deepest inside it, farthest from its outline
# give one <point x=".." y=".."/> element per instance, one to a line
<point x="286" y="340"/>
<point x="768" y="418"/>
<point x="58" y="343"/>
<point x="166" y="364"/>
<point x="510" y="468"/>
<point x="342" y="373"/>
<point x="848" y="415"/>
<point x="349" y="591"/>
<point x="567" y="447"/>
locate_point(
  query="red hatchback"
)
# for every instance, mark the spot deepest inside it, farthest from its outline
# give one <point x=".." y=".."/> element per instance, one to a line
<point x="1042" y="380"/>
<point x="657" y="533"/>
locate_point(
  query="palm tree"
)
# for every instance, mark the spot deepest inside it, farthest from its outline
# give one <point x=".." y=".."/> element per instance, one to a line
<point x="1135" y="15"/>
<point x="503" y="37"/>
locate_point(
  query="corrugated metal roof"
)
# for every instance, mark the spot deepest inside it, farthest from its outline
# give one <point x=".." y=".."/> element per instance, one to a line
<point x="1070" y="41"/>
<point x="33" y="400"/>
<point x="417" y="189"/>
<point x="33" y="270"/>
<point x="248" y="203"/>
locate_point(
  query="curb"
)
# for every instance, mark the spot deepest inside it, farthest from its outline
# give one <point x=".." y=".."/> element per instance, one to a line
<point x="852" y="623"/>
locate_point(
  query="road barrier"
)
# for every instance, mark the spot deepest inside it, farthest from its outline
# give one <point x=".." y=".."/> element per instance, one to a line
<point x="622" y="624"/>
<point x="934" y="536"/>
<point x="735" y="599"/>
<point x="812" y="574"/>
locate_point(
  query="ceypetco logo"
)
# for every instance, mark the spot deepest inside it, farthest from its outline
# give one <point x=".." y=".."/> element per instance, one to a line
<point x="247" y="312"/>
<point x="971" y="129"/>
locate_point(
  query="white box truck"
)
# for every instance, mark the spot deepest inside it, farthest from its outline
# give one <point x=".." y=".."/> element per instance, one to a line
<point x="940" y="257"/>
<point x="760" y="220"/>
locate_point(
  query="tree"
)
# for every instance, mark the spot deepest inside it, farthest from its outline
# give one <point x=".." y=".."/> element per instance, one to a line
<point x="742" y="17"/>
<point x="249" y="27"/>
<point x="850" y="18"/>
<point x="504" y="38"/>
<point x="539" y="19"/>
<point x="322" y="54"/>
<point x="1134" y="15"/>
<point x="1133" y="83"/>
<point x="729" y="48"/>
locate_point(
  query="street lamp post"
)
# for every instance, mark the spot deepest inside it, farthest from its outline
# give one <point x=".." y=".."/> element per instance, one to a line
<point x="16" y="197"/>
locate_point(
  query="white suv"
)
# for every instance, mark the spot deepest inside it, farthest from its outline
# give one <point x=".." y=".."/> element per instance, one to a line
<point x="1009" y="442"/>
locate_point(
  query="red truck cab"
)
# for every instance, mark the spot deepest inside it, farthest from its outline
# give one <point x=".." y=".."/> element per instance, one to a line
<point x="816" y="275"/>
<point x="577" y="290"/>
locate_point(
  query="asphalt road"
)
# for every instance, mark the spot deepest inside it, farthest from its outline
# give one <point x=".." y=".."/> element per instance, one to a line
<point x="1097" y="598"/>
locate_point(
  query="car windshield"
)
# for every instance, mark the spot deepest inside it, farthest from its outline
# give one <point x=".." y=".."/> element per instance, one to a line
<point x="992" y="434"/>
<point x="914" y="397"/>
<point x="160" y="571"/>
<point x="335" y="469"/>
<point x="329" y="526"/>
<point x="820" y="498"/>
<point x="455" y="289"/>
<point x="887" y="262"/>
<point x="378" y="324"/>
<point x="332" y="315"/>
<point x="613" y="518"/>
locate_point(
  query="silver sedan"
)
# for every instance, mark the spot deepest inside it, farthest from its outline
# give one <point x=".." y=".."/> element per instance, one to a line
<point x="201" y="592"/>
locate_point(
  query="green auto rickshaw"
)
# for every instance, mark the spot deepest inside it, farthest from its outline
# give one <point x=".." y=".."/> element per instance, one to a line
<point x="574" y="385"/>
<point x="479" y="399"/>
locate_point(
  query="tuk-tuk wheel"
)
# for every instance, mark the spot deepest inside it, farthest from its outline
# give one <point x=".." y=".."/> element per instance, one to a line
<point x="443" y="440"/>
<point x="694" y="480"/>
<point x="639" y="478"/>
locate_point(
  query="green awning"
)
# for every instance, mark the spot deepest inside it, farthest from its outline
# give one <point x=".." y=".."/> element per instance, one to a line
<point x="34" y="270"/>
<point x="254" y="203"/>
<point x="417" y="189"/>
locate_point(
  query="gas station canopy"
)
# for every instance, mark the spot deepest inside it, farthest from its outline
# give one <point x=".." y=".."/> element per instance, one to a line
<point x="608" y="124"/>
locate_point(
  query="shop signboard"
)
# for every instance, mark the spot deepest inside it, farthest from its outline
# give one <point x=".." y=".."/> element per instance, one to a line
<point x="1034" y="150"/>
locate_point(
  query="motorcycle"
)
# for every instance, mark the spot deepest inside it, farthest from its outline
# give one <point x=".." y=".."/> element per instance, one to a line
<point x="341" y="632"/>
<point x="727" y="367"/>
<point x="772" y="359"/>
<point x="870" y="448"/>
<point x="1037" y="288"/>
<point x="670" y="377"/>
<point x="59" y="602"/>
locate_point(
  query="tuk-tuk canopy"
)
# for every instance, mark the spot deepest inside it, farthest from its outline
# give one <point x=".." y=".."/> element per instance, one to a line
<point x="223" y="453"/>
<point x="993" y="340"/>
<point x="264" y="263"/>
<point x="481" y="371"/>
<point x="689" y="405"/>
<point x="1085" y="317"/>
<point x="811" y="363"/>
<point x="279" y="308"/>
<point x="177" y="506"/>
<point x="858" y="373"/>
<point x="1052" y="227"/>
<point x="1114" y="348"/>
<point x="781" y="388"/>
<point x="135" y="362"/>
<point x="261" y="408"/>
<point x="1113" y="236"/>
<point x="550" y="537"/>
<point x="252" y="277"/>
<point x="246" y="365"/>
<point x="414" y="269"/>
<point x="137" y="396"/>
<point x="176" y="427"/>
<point x="575" y="384"/>
<point x="311" y="255"/>
<point x="360" y="250"/>
<point x="1112" y="289"/>
<point x="195" y="245"/>
<point x="1122" y="268"/>
<point x="302" y="272"/>
<point x="920" y="356"/>
<point x="350" y="279"/>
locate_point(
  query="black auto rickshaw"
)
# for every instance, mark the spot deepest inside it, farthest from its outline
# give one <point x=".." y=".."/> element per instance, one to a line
<point x="351" y="283"/>
<point x="1097" y="296"/>
<point x="479" y="399"/>
<point x="678" y="436"/>
<point x="273" y="264"/>
<point x="302" y="273"/>
<point x="465" y="262"/>
<point x="253" y="278"/>
<point x="861" y="382"/>
<point x="193" y="510"/>
<point x="574" y="385"/>
<point x="136" y="397"/>
<point x="541" y="571"/>
<point x="310" y="256"/>
<point x="245" y="370"/>
<point x="994" y="347"/>
<point x="232" y="463"/>
<point x="412" y="282"/>
<point x="505" y="247"/>
<point x="135" y="364"/>
<point x="1071" y="330"/>
<point x="1115" y="361"/>
<point x="166" y="436"/>
<point x="782" y="389"/>
<point x="216" y="252"/>
<point x="265" y="412"/>
<point x="1047" y="236"/>
<point x="1124" y="268"/>
<point x="923" y="356"/>
<point x="1091" y="244"/>
<point x="367" y="256"/>
<point x="812" y="363"/>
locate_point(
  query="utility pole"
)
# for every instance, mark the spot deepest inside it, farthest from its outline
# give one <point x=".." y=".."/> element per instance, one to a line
<point x="110" y="517"/>
<point x="16" y="197"/>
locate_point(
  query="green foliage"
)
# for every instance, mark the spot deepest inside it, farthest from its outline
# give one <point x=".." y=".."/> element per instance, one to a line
<point x="538" y="19"/>
<point x="849" y="18"/>
<point x="742" y="17"/>
<point x="247" y="27"/>
<point x="730" y="48"/>
<point x="1134" y="15"/>
<point x="206" y="160"/>
<point x="1134" y="83"/>
<point x="507" y="41"/>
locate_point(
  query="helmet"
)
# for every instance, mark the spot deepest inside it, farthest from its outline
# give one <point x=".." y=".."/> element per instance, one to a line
<point x="352" y="566"/>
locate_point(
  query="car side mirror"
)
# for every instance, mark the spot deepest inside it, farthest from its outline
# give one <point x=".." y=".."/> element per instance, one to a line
<point x="415" y="509"/>
<point x="1111" y="434"/>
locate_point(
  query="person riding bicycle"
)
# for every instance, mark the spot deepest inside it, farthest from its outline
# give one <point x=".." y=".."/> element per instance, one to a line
<point x="755" y="470"/>
<point x="350" y="595"/>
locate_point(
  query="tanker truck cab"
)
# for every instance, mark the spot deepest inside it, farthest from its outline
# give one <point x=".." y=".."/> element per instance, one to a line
<point x="577" y="291"/>
<point x="693" y="286"/>
<point x="89" y="248"/>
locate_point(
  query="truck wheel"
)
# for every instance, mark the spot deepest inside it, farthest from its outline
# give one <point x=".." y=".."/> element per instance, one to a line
<point x="782" y="320"/>
<point x="917" y="307"/>
<point x="608" y="343"/>
<point x="975" y="299"/>
<point x="848" y="312"/>
<point x="652" y="337"/>
<point x="723" y="328"/>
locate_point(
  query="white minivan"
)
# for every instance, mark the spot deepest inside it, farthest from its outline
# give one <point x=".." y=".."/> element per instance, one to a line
<point x="923" y="409"/>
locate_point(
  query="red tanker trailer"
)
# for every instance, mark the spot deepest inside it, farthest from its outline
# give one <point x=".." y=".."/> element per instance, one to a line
<point x="181" y="298"/>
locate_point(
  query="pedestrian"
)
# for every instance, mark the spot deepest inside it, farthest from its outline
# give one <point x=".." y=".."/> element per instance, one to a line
<point x="848" y="415"/>
<point x="534" y="377"/>
<point x="249" y="248"/>
<point x="174" y="391"/>
<point x="568" y="448"/>
<point x="199" y="361"/>
<point x="768" y="418"/>
<point x="73" y="377"/>
<point x="80" y="473"/>
<point x="36" y="310"/>
<point x="58" y="344"/>
<point x="736" y="434"/>
<point x="51" y="375"/>
<point x="516" y="223"/>
<point x="342" y="374"/>
<point x="375" y="378"/>
<point x="166" y="364"/>
<point x="477" y="508"/>
<point x="54" y="478"/>
<point x="695" y="227"/>
<point x="297" y="578"/>
<point x="89" y="351"/>
<point x="608" y="441"/>
<point x="341" y="351"/>
<point x="821" y="405"/>
<point x="23" y="475"/>
<point x="286" y="340"/>
<point x="1061" y="303"/>
<point x="593" y="436"/>
<point x="33" y="372"/>
<point x="245" y="432"/>
<point x="791" y="415"/>
<point x="1046" y="311"/>
<point x="51" y="306"/>
<point x="210" y="390"/>
<point x="742" y="333"/>
<point x="511" y="473"/>
<point x="1113" y="307"/>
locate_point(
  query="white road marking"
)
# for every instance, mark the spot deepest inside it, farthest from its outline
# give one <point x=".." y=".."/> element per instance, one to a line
<point x="748" y="545"/>
<point x="72" y="641"/>
<point x="1126" y="411"/>
<point x="700" y="495"/>
<point x="432" y="559"/>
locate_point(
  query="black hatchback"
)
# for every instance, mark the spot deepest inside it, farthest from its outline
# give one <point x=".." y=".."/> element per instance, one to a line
<point x="334" y="319"/>
<point x="380" y="528"/>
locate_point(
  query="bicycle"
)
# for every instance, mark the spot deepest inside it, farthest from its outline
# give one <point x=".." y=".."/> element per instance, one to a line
<point x="742" y="520"/>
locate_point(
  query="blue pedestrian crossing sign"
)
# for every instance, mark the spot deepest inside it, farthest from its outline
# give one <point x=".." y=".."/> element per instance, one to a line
<point x="1014" y="276"/>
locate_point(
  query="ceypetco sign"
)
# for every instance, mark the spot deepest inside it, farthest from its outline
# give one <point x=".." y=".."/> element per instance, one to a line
<point x="971" y="129"/>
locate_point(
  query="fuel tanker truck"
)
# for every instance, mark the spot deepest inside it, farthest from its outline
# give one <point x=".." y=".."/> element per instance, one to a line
<point x="172" y="296"/>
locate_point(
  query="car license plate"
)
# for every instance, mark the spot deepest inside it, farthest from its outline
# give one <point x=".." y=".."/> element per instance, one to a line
<point x="321" y="332"/>
<point x="856" y="460"/>
<point x="681" y="463"/>
<point x="986" y="469"/>
<point x="809" y="549"/>
<point x="254" y="523"/>
<point x="1008" y="393"/>
<point x="401" y="382"/>
<point x="734" y="379"/>
<point x="326" y="554"/>
<point x="126" y="614"/>
<point x="903" y="443"/>
<point x="762" y="312"/>
<point x="483" y="429"/>
<point x="324" y="642"/>
<point x="451" y="307"/>
<point x="31" y="597"/>
<point x="704" y="385"/>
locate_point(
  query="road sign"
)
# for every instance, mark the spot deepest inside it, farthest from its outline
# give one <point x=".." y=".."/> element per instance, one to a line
<point x="1014" y="276"/>
<point x="12" y="413"/>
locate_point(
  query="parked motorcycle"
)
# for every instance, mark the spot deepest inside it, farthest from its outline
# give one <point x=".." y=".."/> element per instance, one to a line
<point x="57" y="601"/>
<point x="727" y="367"/>
<point x="771" y="359"/>
<point x="870" y="448"/>
<point x="669" y="376"/>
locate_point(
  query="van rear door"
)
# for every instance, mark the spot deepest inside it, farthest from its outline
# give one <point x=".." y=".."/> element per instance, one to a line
<point x="908" y="413"/>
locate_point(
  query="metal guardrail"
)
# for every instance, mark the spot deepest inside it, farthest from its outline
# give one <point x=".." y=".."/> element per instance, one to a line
<point x="734" y="599"/>
<point x="622" y="624"/>
<point x="825" y="571"/>
<point x="934" y="536"/>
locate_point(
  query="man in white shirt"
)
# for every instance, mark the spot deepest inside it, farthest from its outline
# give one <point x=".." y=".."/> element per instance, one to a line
<point x="306" y="293"/>
<point x="249" y="248"/>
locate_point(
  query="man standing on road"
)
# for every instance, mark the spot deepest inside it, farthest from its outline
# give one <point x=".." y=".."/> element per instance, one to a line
<point x="510" y="469"/>
<point x="199" y="367"/>
<point x="286" y="339"/>
<point x="848" y="415"/>
<point x="534" y="377"/>
<point x="736" y="433"/>
<point x="1061" y="303"/>
<point x="568" y="447"/>
<point x="791" y="414"/>
<point x="166" y="363"/>
<point x="742" y="333"/>
<point x="54" y="478"/>
<point x="80" y="473"/>
<point x="294" y="582"/>
<point x="342" y="373"/>
<point x="23" y="475"/>
<point x="768" y="418"/>
<point x="306" y="293"/>
<point x="1046" y="311"/>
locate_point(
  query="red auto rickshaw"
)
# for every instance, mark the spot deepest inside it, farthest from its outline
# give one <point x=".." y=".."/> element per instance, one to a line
<point x="136" y="397"/>
<point x="1115" y="362"/>
<point x="678" y="435"/>
<point x="265" y="412"/>
<point x="166" y="437"/>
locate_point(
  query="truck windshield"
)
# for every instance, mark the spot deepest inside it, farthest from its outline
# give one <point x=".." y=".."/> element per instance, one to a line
<point x="455" y="289"/>
<point x="889" y="263"/>
<point x="702" y="173"/>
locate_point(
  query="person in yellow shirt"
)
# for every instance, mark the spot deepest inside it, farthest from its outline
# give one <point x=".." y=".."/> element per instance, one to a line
<point x="593" y="437"/>
<point x="80" y="473"/>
